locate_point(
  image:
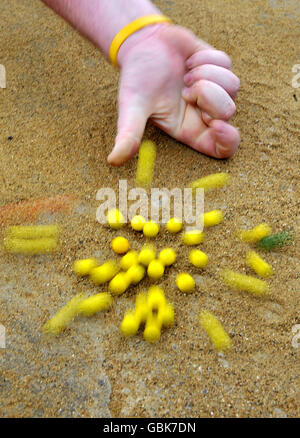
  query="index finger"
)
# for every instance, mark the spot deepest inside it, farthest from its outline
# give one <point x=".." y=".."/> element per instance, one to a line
<point x="209" y="56"/>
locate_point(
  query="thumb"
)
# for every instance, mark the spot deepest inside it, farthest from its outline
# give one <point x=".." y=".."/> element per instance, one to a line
<point x="131" y="125"/>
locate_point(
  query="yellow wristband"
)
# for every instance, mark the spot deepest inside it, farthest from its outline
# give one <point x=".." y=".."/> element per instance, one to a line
<point x="128" y="30"/>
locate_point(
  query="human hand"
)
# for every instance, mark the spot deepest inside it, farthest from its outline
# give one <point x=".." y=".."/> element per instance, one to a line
<point x="183" y="85"/>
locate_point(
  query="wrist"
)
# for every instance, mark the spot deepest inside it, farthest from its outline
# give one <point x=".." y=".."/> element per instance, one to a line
<point x="137" y="39"/>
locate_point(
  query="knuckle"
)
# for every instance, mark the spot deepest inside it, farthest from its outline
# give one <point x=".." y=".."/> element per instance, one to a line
<point x="199" y="87"/>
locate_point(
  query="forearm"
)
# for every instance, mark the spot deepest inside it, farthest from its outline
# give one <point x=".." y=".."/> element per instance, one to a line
<point x="101" y="20"/>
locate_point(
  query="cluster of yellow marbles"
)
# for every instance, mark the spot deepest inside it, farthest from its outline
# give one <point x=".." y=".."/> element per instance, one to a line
<point x="115" y="220"/>
<point x="147" y="256"/>
<point x="131" y="268"/>
<point x="155" y="266"/>
<point x="151" y="309"/>
<point x="110" y="272"/>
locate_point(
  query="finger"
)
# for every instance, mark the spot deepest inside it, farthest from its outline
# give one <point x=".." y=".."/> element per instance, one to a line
<point x="210" y="98"/>
<point x="218" y="140"/>
<point x="209" y="56"/>
<point x="206" y="118"/>
<point x="219" y="75"/>
<point x="227" y="138"/>
<point x="131" y="125"/>
<point x="218" y="145"/>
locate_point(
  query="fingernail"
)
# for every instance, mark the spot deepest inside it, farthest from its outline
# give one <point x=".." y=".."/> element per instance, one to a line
<point x="222" y="151"/>
<point x="189" y="63"/>
<point x="185" y="93"/>
<point x="187" y="78"/>
<point x="219" y="130"/>
<point x="219" y="151"/>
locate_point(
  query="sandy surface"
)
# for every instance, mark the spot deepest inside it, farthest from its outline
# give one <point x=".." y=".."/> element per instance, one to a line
<point x="60" y="108"/>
